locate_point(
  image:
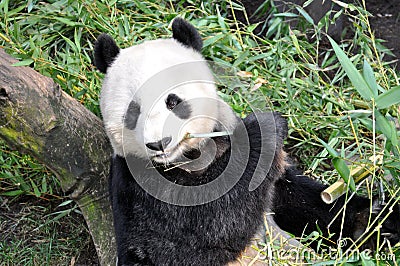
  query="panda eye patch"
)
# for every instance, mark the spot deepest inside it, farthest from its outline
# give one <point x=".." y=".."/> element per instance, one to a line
<point x="132" y="115"/>
<point x="172" y="101"/>
<point x="179" y="107"/>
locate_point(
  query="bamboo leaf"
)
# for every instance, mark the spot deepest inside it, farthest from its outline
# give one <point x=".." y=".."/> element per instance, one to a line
<point x="386" y="128"/>
<point x="295" y="41"/>
<point x="388" y="98"/>
<point x="329" y="149"/>
<point x="355" y="77"/>
<point x="344" y="172"/>
<point x="30" y="5"/>
<point x="369" y="77"/>
<point x="305" y="15"/>
<point x="273" y="28"/>
<point x="25" y="62"/>
<point x="212" y="40"/>
<point x="242" y="57"/>
<point x="71" y="43"/>
<point x="77" y="40"/>
<point x="44" y="184"/>
<point x="35" y="189"/>
<point x="286" y="15"/>
<point x="142" y="6"/>
<point x="67" y="21"/>
<point x="12" y="193"/>
<point x="340" y="165"/>
<point x="221" y="21"/>
<point x="65" y="203"/>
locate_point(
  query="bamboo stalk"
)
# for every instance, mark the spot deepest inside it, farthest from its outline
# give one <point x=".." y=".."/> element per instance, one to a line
<point x="334" y="191"/>
<point x="207" y="135"/>
<point x="359" y="173"/>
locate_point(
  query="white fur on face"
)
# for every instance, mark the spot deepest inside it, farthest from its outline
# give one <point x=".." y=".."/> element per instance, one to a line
<point x="147" y="74"/>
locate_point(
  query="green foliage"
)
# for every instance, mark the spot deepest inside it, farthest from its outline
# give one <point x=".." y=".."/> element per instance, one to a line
<point x="366" y="85"/>
<point x="30" y="236"/>
<point x="20" y="175"/>
<point x="341" y="104"/>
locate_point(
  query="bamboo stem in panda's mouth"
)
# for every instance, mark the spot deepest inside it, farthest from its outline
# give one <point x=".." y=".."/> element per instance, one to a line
<point x="207" y="135"/>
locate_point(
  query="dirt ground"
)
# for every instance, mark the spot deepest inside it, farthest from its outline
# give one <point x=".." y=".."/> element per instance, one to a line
<point x="386" y="23"/>
<point x="385" y="19"/>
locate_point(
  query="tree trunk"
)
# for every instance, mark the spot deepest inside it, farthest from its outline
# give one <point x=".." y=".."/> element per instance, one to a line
<point x="38" y="118"/>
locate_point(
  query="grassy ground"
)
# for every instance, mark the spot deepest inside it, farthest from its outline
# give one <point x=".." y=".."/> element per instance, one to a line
<point x="38" y="225"/>
<point x="334" y="125"/>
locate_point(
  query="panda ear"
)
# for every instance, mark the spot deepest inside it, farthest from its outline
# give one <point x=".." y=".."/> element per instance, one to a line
<point x="185" y="33"/>
<point x="105" y="51"/>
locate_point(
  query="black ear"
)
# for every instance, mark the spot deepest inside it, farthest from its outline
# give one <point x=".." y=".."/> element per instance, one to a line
<point x="185" y="33"/>
<point x="105" y="51"/>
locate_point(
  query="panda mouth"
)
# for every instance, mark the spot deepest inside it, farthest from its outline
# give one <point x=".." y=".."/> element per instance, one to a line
<point x="166" y="155"/>
<point x="162" y="155"/>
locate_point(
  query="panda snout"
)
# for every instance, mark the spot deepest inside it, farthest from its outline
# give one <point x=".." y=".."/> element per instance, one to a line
<point x="159" y="145"/>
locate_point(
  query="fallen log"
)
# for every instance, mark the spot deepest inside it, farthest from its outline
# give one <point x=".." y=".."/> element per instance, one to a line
<point x="39" y="119"/>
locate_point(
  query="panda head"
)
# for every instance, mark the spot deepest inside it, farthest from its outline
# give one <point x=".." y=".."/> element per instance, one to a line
<point x="156" y="92"/>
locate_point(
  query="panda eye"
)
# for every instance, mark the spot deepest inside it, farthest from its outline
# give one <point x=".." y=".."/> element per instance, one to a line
<point x="172" y="101"/>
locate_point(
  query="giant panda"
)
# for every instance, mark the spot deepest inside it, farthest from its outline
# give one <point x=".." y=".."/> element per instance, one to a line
<point x="180" y="200"/>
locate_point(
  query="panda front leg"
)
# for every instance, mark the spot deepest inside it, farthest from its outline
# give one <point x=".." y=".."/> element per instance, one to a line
<point x="129" y="251"/>
<point x="299" y="210"/>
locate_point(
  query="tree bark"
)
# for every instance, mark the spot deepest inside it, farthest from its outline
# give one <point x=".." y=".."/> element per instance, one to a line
<point x="38" y="118"/>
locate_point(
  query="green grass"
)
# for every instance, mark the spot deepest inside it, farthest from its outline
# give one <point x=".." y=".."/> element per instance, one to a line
<point x="38" y="225"/>
<point x="326" y="101"/>
<point x="31" y="235"/>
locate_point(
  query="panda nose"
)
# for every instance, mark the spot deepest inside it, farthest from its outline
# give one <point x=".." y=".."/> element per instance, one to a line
<point x="159" y="145"/>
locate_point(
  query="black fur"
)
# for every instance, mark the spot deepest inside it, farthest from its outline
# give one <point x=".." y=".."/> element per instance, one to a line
<point x="185" y="33"/>
<point x="105" y="51"/>
<point x="209" y="234"/>
<point x="299" y="210"/>
<point x="132" y="115"/>
<point x="180" y="108"/>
